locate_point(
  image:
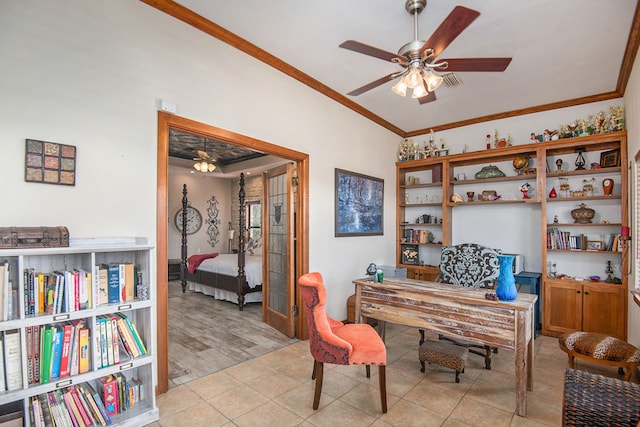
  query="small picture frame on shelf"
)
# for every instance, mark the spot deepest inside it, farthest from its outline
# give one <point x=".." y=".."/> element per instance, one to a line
<point x="610" y="159"/>
<point x="594" y="245"/>
<point x="410" y="254"/>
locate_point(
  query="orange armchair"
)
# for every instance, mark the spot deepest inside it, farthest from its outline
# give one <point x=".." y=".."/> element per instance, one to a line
<point x="352" y="344"/>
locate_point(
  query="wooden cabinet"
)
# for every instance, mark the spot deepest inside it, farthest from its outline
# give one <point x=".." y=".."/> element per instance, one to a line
<point x="24" y="320"/>
<point x="590" y="307"/>
<point x="573" y="300"/>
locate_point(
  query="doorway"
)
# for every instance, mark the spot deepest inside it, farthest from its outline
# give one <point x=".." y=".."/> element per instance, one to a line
<point x="168" y="121"/>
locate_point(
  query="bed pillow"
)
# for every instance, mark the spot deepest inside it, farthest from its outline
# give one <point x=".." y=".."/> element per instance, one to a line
<point x="254" y="246"/>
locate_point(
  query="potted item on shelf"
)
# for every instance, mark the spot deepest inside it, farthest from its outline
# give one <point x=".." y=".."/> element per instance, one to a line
<point x="582" y="214"/>
<point x="489" y="195"/>
<point x="490" y="171"/>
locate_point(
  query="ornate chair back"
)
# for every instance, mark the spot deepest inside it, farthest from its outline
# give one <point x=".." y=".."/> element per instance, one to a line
<point x="469" y="265"/>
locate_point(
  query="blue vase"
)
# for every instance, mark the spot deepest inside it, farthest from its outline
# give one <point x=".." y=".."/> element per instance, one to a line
<point x="506" y="289"/>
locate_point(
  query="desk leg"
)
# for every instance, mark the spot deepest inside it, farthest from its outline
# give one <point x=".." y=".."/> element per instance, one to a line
<point x="531" y="352"/>
<point x="522" y="357"/>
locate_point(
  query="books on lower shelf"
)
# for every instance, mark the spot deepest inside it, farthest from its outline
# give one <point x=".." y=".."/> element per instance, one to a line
<point x="116" y="335"/>
<point x="85" y="404"/>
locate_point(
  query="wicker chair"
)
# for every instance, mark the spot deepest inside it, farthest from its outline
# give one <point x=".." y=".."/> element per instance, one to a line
<point x="595" y="400"/>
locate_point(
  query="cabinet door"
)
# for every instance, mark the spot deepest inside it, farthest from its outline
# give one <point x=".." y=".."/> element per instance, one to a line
<point x="413" y="273"/>
<point x="428" y="275"/>
<point x="562" y="308"/>
<point x="603" y="310"/>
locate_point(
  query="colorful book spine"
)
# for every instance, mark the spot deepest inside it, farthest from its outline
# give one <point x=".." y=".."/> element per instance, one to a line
<point x="13" y="360"/>
<point x="56" y="356"/>
<point x="114" y="283"/>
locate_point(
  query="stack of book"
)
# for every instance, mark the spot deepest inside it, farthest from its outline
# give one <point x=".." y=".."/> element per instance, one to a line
<point x="115" y="282"/>
<point x="115" y="332"/>
<point x="74" y="406"/>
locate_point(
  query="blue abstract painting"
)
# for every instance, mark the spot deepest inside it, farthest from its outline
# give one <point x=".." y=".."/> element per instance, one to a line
<point x="358" y="205"/>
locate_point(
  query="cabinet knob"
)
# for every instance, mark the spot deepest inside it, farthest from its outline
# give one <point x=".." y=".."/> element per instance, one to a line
<point x="586" y="292"/>
<point x="578" y="292"/>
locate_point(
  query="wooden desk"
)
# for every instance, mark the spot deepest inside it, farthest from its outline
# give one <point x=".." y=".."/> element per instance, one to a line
<point x="457" y="311"/>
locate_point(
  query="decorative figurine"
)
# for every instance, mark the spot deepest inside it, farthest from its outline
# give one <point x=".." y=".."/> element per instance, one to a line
<point x="555" y="219"/>
<point x="524" y="189"/>
<point x="371" y="271"/>
<point x="470" y="195"/>
<point x="488" y="139"/>
<point x="559" y="165"/>
<point x="609" y="271"/>
<point x="580" y="162"/>
<point x="552" y="193"/>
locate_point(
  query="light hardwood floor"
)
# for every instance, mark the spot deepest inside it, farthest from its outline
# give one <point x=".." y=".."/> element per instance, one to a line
<point x="207" y="335"/>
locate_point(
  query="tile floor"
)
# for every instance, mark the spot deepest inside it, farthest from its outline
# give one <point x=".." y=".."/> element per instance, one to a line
<point x="276" y="389"/>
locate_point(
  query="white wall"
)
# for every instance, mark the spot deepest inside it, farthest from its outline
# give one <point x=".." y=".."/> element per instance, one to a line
<point x="90" y="74"/>
<point x="200" y="189"/>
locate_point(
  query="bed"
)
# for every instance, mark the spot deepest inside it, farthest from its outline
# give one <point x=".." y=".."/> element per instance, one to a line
<point x="231" y="277"/>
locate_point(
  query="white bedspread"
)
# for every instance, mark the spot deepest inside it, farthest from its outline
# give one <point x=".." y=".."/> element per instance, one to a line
<point x="227" y="264"/>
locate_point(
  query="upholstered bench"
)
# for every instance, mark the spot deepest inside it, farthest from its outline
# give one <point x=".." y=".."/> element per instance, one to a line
<point x="602" y="349"/>
<point x="443" y="354"/>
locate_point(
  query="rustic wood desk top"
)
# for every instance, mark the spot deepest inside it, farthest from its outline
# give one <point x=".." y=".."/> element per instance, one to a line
<point x="457" y="311"/>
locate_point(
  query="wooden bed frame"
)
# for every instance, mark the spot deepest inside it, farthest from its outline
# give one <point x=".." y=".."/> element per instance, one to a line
<point x="236" y="284"/>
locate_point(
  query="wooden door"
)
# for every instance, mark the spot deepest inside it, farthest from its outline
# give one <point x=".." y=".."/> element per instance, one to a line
<point x="603" y="310"/>
<point x="562" y="308"/>
<point x="278" y="254"/>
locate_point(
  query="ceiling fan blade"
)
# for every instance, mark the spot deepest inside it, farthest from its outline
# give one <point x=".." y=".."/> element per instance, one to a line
<point x="371" y="85"/>
<point x="428" y="98"/>
<point x="459" y="19"/>
<point x="373" y="51"/>
<point x="476" y="64"/>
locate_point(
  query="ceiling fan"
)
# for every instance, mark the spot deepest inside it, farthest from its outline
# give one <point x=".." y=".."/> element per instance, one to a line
<point x="418" y="58"/>
<point x="204" y="162"/>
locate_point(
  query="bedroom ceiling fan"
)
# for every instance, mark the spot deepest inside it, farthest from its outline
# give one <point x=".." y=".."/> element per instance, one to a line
<point x="204" y="162"/>
<point x="418" y="58"/>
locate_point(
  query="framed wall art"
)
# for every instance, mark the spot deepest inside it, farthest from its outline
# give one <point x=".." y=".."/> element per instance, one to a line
<point x="359" y="203"/>
<point x="49" y="162"/>
<point x="610" y="159"/>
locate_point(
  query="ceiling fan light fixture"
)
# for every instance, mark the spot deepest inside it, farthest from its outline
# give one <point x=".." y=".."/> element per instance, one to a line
<point x="414" y="78"/>
<point x="433" y="81"/>
<point x="419" y="92"/>
<point x="400" y="88"/>
<point x="204" y="167"/>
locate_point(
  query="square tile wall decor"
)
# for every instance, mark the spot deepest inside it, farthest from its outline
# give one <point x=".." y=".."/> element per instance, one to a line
<point x="49" y="162"/>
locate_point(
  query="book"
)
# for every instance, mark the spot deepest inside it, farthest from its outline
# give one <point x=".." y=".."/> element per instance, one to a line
<point x="13" y="360"/>
<point x="130" y="281"/>
<point x="74" y="355"/>
<point x="83" y="350"/>
<point x="85" y="415"/>
<point x="37" y="331"/>
<point x="134" y="332"/>
<point x="56" y="352"/>
<point x="109" y="389"/>
<point x="109" y="341"/>
<point x="4" y="277"/>
<point x="67" y="338"/>
<point x="127" y="340"/>
<point x="29" y="336"/>
<point x="103" y="285"/>
<point x="122" y="282"/>
<point x="98" y="401"/>
<point x="114" y="340"/>
<point x="3" y="382"/>
<point x="91" y="404"/>
<point x="72" y="408"/>
<point x="113" y="278"/>
<point x="45" y="354"/>
<point x="103" y="342"/>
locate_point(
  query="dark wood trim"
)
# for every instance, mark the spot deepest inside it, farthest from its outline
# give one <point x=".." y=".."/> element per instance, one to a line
<point x="167" y="121"/>
<point x="189" y="17"/>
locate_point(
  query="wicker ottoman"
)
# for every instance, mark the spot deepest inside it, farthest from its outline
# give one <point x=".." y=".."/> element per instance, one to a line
<point x="597" y="401"/>
<point x="601" y="349"/>
<point x="444" y="354"/>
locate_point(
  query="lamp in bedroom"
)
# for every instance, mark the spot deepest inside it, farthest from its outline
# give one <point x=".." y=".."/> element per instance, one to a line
<point x="231" y="236"/>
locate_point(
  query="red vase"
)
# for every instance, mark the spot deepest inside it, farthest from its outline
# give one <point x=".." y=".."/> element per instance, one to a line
<point x="552" y="193"/>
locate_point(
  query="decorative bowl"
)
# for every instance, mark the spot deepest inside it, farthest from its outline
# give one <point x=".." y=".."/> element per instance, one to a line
<point x="583" y="214"/>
